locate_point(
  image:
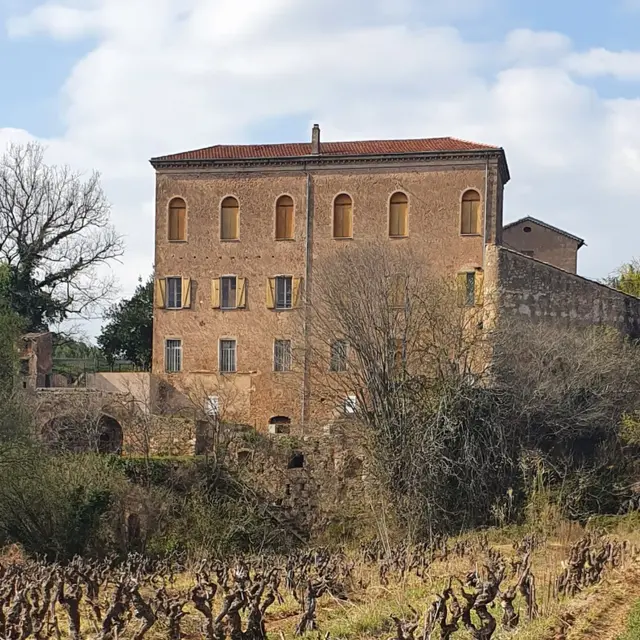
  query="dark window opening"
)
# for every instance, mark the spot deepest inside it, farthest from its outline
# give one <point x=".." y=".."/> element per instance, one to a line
<point x="282" y="355"/>
<point x="284" y="290"/>
<point x="174" y="293"/>
<point x="470" y="292"/>
<point x="338" y="360"/>
<point x="229" y="289"/>
<point x="279" y="424"/>
<point x="110" y="436"/>
<point x="527" y="229"/>
<point x="296" y="461"/>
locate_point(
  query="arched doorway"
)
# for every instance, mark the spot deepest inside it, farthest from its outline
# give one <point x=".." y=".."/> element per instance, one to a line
<point x="110" y="438"/>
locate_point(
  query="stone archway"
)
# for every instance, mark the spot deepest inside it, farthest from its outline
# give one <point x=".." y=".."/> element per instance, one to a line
<point x="110" y="439"/>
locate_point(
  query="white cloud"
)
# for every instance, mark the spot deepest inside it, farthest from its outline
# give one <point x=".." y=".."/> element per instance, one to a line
<point x="169" y="75"/>
<point x="623" y="65"/>
<point x="524" y="46"/>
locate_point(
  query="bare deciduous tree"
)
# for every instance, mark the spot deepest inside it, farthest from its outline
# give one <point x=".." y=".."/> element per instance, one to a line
<point x="447" y="401"/>
<point x="54" y="235"/>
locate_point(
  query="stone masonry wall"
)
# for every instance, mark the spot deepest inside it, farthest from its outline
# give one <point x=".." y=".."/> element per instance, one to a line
<point x="312" y="479"/>
<point x="529" y="288"/>
<point x="434" y="194"/>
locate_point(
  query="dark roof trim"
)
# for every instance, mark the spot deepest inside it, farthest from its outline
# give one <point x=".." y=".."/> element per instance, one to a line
<point x="580" y="241"/>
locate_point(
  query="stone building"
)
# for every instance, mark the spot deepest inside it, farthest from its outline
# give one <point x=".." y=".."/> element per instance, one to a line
<point x="537" y="239"/>
<point x="240" y="228"/>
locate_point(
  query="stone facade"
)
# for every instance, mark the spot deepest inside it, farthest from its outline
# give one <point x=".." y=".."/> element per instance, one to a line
<point x="536" y="279"/>
<point x="531" y="289"/>
<point x="434" y="183"/>
<point x="543" y="242"/>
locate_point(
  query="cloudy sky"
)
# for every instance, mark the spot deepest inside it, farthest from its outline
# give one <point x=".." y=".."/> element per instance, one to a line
<point x="107" y="84"/>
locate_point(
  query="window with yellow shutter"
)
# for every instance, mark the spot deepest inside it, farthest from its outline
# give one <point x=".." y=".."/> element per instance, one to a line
<point x="284" y="218"/>
<point x="470" y="213"/>
<point x="174" y="293"/>
<point x="398" y="215"/>
<point x="177" y="220"/>
<point x="228" y="292"/>
<point x="229" y="219"/>
<point x="343" y="216"/>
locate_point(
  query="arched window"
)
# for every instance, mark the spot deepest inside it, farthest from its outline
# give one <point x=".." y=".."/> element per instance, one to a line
<point x="229" y="219"/>
<point x="343" y="216"/>
<point x="470" y="213"/>
<point x="177" y="220"/>
<point x="398" y="214"/>
<point x="284" y="218"/>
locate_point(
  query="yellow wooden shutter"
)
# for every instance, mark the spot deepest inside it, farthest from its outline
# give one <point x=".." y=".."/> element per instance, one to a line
<point x="160" y="293"/>
<point x="186" y="293"/>
<point x="347" y="221"/>
<point x="271" y="293"/>
<point x="281" y="222"/>
<point x="182" y="224"/>
<point x="461" y="287"/>
<point x="479" y="288"/>
<point x="215" y="293"/>
<point x="241" y="293"/>
<point x="296" y="293"/>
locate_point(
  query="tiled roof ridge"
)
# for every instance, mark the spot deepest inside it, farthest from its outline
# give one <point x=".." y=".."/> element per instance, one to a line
<point x="331" y="148"/>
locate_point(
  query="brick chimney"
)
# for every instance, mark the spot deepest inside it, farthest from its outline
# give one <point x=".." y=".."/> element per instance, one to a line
<point x="315" y="139"/>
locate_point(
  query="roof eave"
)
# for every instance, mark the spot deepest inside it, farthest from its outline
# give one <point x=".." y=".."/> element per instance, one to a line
<point x="169" y="162"/>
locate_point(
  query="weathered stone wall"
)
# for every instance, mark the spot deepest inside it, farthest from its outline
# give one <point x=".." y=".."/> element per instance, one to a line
<point x="314" y="479"/>
<point x="529" y="288"/>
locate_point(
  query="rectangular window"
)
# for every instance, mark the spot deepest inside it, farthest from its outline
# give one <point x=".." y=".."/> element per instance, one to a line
<point x="338" y="356"/>
<point x="227" y="356"/>
<point x="398" y="291"/>
<point x="470" y="289"/>
<point x="284" y="292"/>
<point x="228" y="292"/>
<point x="173" y="355"/>
<point x="212" y="406"/>
<point x="350" y="404"/>
<point x="282" y="355"/>
<point x="174" y="293"/>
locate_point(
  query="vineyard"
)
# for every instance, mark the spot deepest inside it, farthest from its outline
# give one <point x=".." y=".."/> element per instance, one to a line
<point x="464" y="588"/>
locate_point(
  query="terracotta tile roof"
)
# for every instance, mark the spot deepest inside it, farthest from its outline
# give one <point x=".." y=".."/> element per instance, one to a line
<point x="300" y="149"/>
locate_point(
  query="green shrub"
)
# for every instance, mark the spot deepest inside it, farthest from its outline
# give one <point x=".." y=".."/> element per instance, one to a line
<point x="54" y="507"/>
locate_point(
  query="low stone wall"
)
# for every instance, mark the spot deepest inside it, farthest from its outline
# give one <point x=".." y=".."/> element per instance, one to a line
<point x="529" y="288"/>
<point x="314" y="479"/>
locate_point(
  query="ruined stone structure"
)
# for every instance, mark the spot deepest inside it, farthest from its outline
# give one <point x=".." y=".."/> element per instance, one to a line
<point x="241" y="231"/>
<point x="36" y="360"/>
